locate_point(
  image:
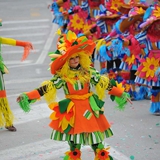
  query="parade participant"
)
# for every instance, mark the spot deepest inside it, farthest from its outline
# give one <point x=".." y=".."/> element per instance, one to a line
<point x="130" y="61"/>
<point x="126" y="26"/>
<point x="78" y="118"/>
<point x="6" y="115"/>
<point x="149" y="64"/>
<point x="105" y="21"/>
<point x="109" y="53"/>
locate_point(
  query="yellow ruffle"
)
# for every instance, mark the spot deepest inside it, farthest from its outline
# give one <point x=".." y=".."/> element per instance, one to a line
<point x="6" y="114"/>
<point x="101" y="86"/>
<point x="50" y="95"/>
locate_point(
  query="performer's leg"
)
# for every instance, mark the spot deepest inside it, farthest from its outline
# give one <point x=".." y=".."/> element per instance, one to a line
<point x="74" y="152"/>
<point x="155" y="101"/>
<point x="117" y="64"/>
<point x="134" y="94"/>
<point x="101" y="152"/>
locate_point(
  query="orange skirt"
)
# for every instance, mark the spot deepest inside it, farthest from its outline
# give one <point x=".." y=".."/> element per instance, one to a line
<point x="81" y="123"/>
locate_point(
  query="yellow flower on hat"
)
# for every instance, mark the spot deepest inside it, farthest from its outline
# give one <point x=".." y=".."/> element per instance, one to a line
<point x="140" y="10"/>
<point x="156" y="12"/>
<point x="115" y="4"/>
<point x="130" y="60"/>
<point x="86" y="27"/>
<point x="76" y="22"/>
<point x="150" y="66"/>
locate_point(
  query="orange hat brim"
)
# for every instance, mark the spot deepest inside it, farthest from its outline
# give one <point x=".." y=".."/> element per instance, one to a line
<point x="126" y="23"/>
<point x="112" y="16"/>
<point x="60" y="61"/>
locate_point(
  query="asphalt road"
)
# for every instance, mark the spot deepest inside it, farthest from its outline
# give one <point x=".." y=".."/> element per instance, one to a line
<point x="136" y="131"/>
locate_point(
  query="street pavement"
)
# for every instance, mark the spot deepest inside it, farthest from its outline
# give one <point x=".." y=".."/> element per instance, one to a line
<point x="136" y="131"/>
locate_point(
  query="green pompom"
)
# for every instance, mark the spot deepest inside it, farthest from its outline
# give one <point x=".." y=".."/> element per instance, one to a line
<point x="24" y="103"/>
<point x="122" y="101"/>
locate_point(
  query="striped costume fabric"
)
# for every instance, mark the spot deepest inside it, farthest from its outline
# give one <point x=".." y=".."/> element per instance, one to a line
<point x="149" y="47"/>
<point x="83" y="138"/>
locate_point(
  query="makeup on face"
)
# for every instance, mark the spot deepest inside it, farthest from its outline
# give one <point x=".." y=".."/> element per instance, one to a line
<point x="74" y="61"/>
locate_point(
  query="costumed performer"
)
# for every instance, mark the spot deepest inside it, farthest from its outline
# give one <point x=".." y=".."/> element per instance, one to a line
<point x="77" y="119"/>
<point x="6" y="115"/>
<point x="130" y="60"/>
<point x="149" y="64"/>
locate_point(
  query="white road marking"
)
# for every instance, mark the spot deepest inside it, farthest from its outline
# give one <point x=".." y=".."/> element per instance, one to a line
<point x="18" y="62"/>
<point x="18" y="52"/>
<point x="26" y="21"/>
<point x="25" y="35"/>
<point x="47" y="45"/>
<point x="25" y="28"/>
<point x="18" y="81"/>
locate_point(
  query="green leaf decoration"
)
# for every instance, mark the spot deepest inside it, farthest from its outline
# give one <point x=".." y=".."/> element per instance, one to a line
<point x="100" y="146"/>
<point x="63" y="104"/>
<point x="110" y="157"/>
<point x="67" y="129"/>
<point x="84" y="40"/>
<point x="66" y="157"/>
<point x="112" y="97"/>
<point x="74" y="43"/>
<point x="84" y="46"/>
<point x="78" y="146"/>
<point x="55" y="52"/>
<point x="113" y="82"/>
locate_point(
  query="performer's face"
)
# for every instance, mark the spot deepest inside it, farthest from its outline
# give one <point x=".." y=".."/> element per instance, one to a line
<point x="74" y="62"/>
<point x="136" y="25"/>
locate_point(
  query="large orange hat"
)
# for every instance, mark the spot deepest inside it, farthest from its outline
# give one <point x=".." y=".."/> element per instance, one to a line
<point x="132" y="3"/>
<point x="135" y="14"/>
<point x="69" y="44"/>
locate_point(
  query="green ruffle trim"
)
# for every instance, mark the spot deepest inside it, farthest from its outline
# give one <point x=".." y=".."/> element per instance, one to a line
<point x="24" y="103"/>
<point x="82" y="138"/>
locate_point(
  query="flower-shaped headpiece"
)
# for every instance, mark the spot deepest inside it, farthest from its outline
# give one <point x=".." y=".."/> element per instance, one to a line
<point x="69" y="44"/>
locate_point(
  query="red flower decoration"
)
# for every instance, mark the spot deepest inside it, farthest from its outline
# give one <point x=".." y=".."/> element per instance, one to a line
<point x="74" y="155"/>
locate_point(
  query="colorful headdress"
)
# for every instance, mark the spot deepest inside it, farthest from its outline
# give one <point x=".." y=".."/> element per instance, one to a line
<point x="69" y="44"/>
<point x="135" y="14"/>
<point x="111" y="10"/>
<point x="133" y="3"/>
<point x="151" y="15"/>
<point x="113" y="5"/>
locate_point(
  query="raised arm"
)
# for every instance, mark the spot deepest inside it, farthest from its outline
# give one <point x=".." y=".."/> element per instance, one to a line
<point x="27" y="45"/>
<point x="115" y="90"/>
